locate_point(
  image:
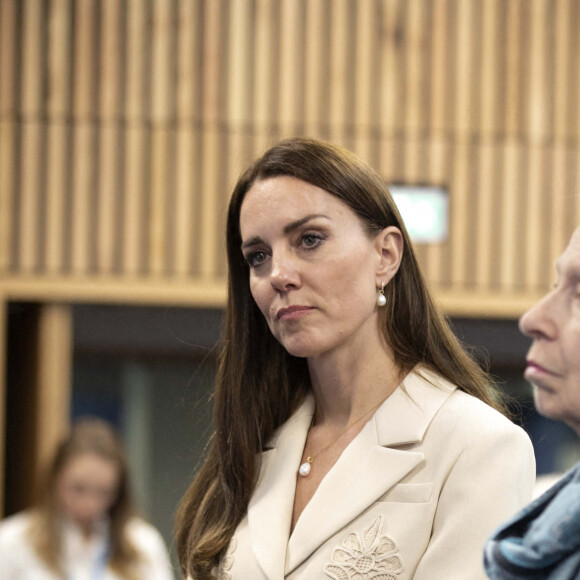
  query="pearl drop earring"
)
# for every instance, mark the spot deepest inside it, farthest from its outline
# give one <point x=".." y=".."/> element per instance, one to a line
<point x="381" y="298"/>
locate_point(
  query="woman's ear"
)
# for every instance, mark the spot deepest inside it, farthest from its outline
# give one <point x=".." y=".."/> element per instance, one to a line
<point x="390" y="245"/>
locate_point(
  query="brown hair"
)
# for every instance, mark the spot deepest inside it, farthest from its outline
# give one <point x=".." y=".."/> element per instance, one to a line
<point x="88" y="435"/>
<point x="259" y="385"/>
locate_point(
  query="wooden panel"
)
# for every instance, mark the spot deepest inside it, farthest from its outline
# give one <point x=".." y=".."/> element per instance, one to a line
<point x="514" y="65"/>
<point x="291" y="110"/>
<point x="487" y="198"/>
<point x="535" y="233"/>
<point x="8" y="177"/>
<point x="316" y="68"/>
<point x="239" y="94"/>
<point x="8" y="128"/>
<point x="136" y="137"/>
<point x="339" y="85"/>
<point x="3" y="350"/>
<point x="266" y="87"/>
<point x="510" y="186"/>
<point x="563" y="58"/>
<point x="188" y="152"/>
<point x="32" y="137"/>
<point x="490" y="70"/>
<point x="58" y="147"/>
<point x="161" y="114"/>
<point x="211" y="140"/>
<point x="439" y="81"/>
<point x="124" y="125"/>
<point x="108" y="149"/>
<point x="364" y="74"/>
<point x="54" y="378"/>
<point x="537" y="91"/>
<point x="84" y="153"/>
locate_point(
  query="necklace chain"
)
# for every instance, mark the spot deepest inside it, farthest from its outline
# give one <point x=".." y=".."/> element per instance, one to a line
<point x="306" y="467"/>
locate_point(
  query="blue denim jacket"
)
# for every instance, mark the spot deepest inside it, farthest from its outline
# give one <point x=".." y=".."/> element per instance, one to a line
<point x="543" y="540"/>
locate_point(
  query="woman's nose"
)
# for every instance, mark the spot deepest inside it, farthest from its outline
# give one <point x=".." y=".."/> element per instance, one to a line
<point x="284" y="273"/>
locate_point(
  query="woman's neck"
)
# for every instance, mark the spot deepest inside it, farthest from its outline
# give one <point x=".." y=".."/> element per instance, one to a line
<point x="345" y="387"/>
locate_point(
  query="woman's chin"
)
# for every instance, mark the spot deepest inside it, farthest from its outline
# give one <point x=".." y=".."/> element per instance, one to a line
<point x="300" y="349"/>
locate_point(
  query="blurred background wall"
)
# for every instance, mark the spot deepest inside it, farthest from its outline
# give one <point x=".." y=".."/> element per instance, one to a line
<point x="125" y="123"/>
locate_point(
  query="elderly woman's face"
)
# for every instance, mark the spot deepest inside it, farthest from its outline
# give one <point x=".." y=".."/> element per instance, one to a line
<point x="553" y="363"/>
<point x="313" y="268"/>
<point x="86" y="488"/>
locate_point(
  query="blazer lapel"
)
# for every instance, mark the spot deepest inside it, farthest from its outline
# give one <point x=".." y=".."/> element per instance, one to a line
<point x="270" y="508"/>
<point x="369" y="466"/>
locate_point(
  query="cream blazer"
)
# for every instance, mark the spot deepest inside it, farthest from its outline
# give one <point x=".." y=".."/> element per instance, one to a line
<point x="414" y="495"/>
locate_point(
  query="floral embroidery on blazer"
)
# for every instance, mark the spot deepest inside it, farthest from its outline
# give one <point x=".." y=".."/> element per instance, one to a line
<point x="372" y="556"/>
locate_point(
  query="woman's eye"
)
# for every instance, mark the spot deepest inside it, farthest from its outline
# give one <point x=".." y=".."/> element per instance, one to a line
<point x="311" y="241"/>
<point x="255" y="259"/>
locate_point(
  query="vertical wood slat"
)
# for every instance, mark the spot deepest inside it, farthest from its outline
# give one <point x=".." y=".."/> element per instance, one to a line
<point x="439" y="82"/>
<point x="509" y="186"/>
<point x="415" y="60"/>
<point x="488" y="168"/>
<point x="514" y="22"/>
<point x="486" y="199"/>
<point x="338" y="72"/>
<point x="265" y="51"/>
<point x="8" y="129"/>
<point x="315" y="65"/>
<point x="135" y="177"/>
<point x="462" y="124"/>
<point x="214" y="13"/>
<point x="54" y="378"/>
<point x="390" y="84"/>
<point x="239" y="92"/>
<point x="438" y="155"/>
<point x="109" y="154"/>
<point x="58" y="107"/>
<point x="364" y="79"/>
<point x="290" y="112"/>
<point x="536" y="130"/>
<point x="160" y="137"/>
<point x="537" y="89"/>
<point x="560" y="205"/>
<point x="32" y="134"/>
<point x="562" y="88"/>
<point x="414" y="92"/>
<point x="535" y="182"/>
<point x="187" y="146"/>
<point x="83" y="136"/>
<point x="490" y="70"/>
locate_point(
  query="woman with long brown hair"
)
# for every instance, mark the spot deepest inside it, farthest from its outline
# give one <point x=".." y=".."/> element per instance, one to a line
<point x="84" y="528"/>
<point x="354" y="436"/>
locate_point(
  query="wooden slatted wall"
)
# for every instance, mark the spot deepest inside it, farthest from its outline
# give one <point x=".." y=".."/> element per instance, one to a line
<point x="124" y="123"/>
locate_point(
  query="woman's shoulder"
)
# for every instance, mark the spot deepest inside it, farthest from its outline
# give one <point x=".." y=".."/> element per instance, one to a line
<point x="464" y="410"/>
<point x="14" y="527"/>
<point x="144" y="534"/>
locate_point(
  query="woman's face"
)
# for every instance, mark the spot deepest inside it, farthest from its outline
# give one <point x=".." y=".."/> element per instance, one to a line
<point x="86" y="488"/>
<point x="313" y="267"/>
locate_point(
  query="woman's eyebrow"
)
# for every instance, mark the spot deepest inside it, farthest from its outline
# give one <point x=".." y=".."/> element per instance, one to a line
<point x="295" y="225"/>
<point x="252" y="242"/>
<point x="288" y="229"/>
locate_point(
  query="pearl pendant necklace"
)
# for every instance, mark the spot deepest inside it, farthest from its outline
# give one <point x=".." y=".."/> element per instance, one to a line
<point x="306" y="467"/>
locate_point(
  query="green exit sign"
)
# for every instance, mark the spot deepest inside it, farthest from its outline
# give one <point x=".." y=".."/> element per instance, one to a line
<point x="425" y="211"/>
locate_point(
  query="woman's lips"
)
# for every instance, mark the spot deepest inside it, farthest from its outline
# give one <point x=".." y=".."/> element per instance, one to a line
<point x="534" y="369"/>
<point x="291" y="312"/>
